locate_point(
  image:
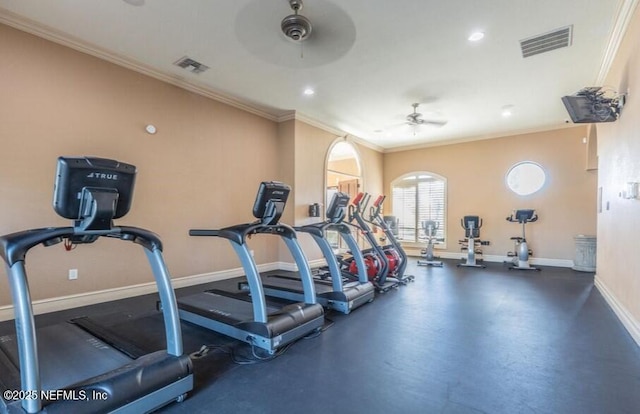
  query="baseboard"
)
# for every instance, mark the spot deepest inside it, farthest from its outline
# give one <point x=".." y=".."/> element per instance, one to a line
<point x="107" y="295"/>
<point x="540" y="261"/>
<point x="632" y="325"/>
<point x="100" y="296"/>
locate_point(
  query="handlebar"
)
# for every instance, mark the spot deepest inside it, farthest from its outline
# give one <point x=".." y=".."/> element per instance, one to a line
<point x="479" y="221"/>
<point x="379" y="201"/>
<point x="523" y="216"/>
<point x="365" y="201"/>
<point x="356" y="201"/>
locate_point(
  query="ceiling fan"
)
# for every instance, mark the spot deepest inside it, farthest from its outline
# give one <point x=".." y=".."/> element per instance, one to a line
<point x="415" y="118"/>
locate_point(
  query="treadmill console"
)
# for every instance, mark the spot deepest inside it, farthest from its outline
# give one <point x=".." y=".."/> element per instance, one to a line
<point x="75" y="175"/>
<point x="270" y="201"/>
<point x="337" y="207"/>
<point x="93" y="191"/>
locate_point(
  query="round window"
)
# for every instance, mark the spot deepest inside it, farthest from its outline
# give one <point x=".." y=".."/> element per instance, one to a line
<point x="525" y="178"/>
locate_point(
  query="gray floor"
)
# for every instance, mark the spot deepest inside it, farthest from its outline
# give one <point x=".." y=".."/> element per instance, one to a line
<point x="457" y="340"/>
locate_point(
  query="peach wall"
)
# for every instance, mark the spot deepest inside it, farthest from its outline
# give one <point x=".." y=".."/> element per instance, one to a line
<point x="372" y="170"/>
<point x="310" y="147"/>
<point x="286" y="161"/>
<point x="201" y="169"/>
<point x="476" y="186"/>
<point x="618" y="268"/>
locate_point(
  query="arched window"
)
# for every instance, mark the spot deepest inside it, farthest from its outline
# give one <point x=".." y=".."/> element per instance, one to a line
<point x="417" y="197"/>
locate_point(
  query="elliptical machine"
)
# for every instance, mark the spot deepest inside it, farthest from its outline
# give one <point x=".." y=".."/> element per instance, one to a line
<point x="471" y="226"/>
<point x="521" y="251"/>
<point x="430" y="228"/>
<point x="396" y="255"/>
<point x="375" y="258"/>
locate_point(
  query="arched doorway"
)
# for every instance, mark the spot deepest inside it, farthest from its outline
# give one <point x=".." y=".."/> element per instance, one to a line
<point x="343" y="173"/>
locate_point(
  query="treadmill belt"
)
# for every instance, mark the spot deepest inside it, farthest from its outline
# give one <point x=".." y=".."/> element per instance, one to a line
<point x="231" y="308"/>
<point x="243" y="296"/>
<point x="10" y="379"/>
<point x="67" y="355"/>
<point x="109" y="336"/>
<point x="293" y="284"/>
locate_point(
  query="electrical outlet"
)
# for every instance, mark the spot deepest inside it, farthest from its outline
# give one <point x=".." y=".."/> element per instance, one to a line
<point x="73" y="274"/>
<point x="251" y="251"/>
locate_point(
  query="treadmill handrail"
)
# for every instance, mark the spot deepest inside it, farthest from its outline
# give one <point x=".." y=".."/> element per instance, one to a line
<point x="14" y="248"/>
<point x="319" y="229"/>
<point x="239" y="233"/>
<point x="318" y="232"/>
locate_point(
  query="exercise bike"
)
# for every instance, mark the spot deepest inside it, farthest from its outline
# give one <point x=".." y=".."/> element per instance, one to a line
<point x="521" y="251"/>
<point x="471" y="226"/>
<point x="430" y="228"/>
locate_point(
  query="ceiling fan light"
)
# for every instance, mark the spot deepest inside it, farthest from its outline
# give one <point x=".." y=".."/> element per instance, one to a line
<point x="296" y="27"/>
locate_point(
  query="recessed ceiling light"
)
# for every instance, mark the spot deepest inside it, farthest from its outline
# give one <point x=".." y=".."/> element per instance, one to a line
<point x="135" y="2"/>
<point x="507" y="111"/>
<point x="476" y="36"/>
<point x="309" y="91"/>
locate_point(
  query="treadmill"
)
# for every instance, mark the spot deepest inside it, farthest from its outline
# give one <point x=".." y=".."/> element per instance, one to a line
<point x="255" y="321"/>
<point x="65" y="368"/>
<point x="335" y="293"/>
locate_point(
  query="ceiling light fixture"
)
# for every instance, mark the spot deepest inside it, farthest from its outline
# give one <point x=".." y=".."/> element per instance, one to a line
<point x="295" y="26"/>
<point x="476" y="36"/>
<point x="507" y="111"/>
<point x="136" y="3"/>
<point x="309" y="91"/>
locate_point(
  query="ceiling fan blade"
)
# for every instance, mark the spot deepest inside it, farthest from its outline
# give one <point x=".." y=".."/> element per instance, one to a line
<point x="437" y="123"/>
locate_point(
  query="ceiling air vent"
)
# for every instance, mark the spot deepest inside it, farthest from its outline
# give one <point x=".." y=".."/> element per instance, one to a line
<point x="547" y="42"/>
<point x="191" y="65"/>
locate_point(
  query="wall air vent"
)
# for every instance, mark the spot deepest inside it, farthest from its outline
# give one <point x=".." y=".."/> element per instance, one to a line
<point x="547" y="42"/>
<point x="191" y="65"/>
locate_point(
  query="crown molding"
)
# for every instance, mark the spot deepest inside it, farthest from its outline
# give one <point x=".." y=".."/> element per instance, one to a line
<point x="29" y="26"/>
<point x="367" y="144"/>
<point x="298" y="116"/>
<point x="623" y="18"/>
<point x="483" y="137"/>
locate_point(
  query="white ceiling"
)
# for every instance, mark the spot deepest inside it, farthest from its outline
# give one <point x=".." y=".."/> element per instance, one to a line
<point x="368" y="60"/>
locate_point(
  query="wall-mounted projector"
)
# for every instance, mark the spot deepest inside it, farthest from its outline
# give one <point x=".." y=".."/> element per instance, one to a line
<point x="590" y="105"/>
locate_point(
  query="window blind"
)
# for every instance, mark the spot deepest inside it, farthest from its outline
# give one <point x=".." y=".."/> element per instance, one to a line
<point x="416" y="199"/>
